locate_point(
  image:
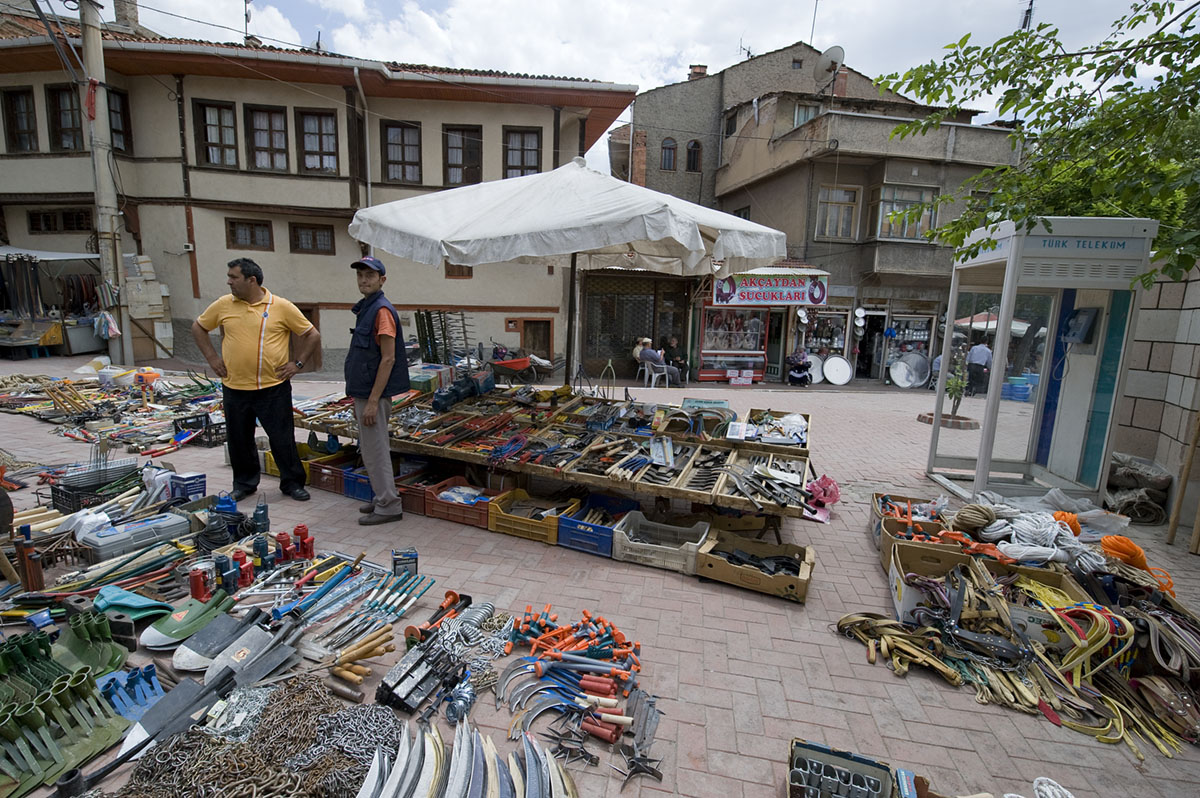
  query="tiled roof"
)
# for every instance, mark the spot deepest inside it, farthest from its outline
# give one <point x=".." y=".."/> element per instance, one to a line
<point x="19" y="26"/>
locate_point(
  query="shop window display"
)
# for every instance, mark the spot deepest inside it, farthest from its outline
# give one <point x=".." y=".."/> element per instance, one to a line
<point x="733" y="339"/>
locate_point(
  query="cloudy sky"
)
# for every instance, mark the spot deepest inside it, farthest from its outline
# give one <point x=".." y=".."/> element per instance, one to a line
<point x="646" y="43"/>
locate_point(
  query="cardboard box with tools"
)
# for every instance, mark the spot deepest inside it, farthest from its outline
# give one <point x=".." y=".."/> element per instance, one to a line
<point x="895" y="530"/>
<point x="937" y="561"/>
<point x="735" y="560"/>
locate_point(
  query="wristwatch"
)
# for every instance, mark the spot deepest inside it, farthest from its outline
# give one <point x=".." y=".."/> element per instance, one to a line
<point x="299" y="364"/>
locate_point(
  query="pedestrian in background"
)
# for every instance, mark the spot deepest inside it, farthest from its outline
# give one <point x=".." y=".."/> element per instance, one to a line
<point x="373" y="376"/>
<point x="256" y="371"/>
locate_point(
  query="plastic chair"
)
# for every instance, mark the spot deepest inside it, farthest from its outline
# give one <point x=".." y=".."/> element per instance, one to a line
<point x="654" y="372"/>
<point x="643" y="373"/>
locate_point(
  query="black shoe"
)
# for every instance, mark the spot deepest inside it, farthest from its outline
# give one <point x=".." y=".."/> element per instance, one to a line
<point x="369" y="507"/>
<point x="374" y="518"/>
<point x="240" y="493"/>
<point x="299" y="494"/>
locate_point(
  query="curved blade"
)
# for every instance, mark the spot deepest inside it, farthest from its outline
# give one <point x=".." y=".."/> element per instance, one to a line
<point x="533" y="784"/>
<point x="416" y="761"/>
<point x="399" y="764"/>
<point x="372" y="783"/>
<point x="479" y="760"/>
<point x="516" y="775"/>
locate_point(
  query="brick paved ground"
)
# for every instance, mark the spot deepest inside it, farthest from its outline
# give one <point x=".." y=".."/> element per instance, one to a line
<point x="741" y="674"/>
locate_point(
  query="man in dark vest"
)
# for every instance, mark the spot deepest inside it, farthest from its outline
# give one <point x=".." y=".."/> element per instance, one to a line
<point x="375" y="372"/>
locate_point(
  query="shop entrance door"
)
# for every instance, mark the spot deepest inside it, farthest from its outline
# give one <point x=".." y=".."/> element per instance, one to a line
<point x="776" y="330"/>
<point x="872" y="347"/>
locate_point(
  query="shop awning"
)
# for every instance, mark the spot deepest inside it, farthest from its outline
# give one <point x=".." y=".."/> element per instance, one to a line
<point x="7" y="252"/>
<point x="606" y="222"/>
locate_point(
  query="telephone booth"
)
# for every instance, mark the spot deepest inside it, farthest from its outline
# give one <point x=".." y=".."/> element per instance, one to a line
<point x="1064" y="319"/>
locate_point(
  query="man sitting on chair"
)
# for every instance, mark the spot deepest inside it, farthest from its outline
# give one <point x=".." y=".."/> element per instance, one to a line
<point x="650" y="355"/>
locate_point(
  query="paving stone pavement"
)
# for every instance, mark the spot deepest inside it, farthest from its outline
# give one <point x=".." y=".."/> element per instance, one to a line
<point x="740" y="674"/>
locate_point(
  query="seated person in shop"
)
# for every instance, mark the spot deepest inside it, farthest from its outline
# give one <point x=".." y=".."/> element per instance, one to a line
<point x="648" y="354"/>
<point x="799" y="367"/>
<point x="673" y="355"/>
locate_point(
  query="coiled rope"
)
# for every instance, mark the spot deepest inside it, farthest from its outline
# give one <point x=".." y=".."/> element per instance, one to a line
<point x="1038" y="537"/>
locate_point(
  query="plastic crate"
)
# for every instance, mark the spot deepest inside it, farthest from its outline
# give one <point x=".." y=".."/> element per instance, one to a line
<point x="636" y="539"/>
<point x="412" y="490"/>
<point x="357" y="485"/>
<point x="500" y="520"/>
<point x="469" y="514"/>
<point x="69" y="499"/>
<point x="328" y="473"/>
<point x="593" y="538"/>
<point x="307" y="455"/>
<point x="212" y="433"/>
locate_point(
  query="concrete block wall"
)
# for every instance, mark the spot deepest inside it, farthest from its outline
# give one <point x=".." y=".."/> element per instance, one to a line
<point x="1155" y="418"/>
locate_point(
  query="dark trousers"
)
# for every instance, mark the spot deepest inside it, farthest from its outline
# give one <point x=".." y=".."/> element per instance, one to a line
<point x="977" y="377"/>
<point x="271" y="407"/>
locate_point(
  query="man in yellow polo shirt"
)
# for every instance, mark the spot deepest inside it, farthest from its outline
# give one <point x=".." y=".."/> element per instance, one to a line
<point x="254" y="366"/>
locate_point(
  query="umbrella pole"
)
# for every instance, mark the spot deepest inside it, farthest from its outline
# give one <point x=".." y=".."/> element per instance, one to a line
<point x="569" y="371"/>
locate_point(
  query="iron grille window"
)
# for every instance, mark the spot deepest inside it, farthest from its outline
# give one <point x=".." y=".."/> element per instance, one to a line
<point x="77" y="220"/>
<point x="522" y="151"/>
<point x="119" y="122"/>
<point x="20" y="121"/>
<point x="267" y="131"/>
<point x="318" y="142"/>
<point x="694" y="152"/>
<point x="742" y="213"/>
<point x="668" y="155"/>
<point x="456" y="272"/>
<point x="216" y="134"/>
<point x="731" y="124"/>
<point x="43" y="221"/>
<point x="66" y="123"/>
<point x="837" y="209"/>
<point x="402" y="152"/>
<point x="248" y="234"/>
<point x="315" y="239"/>
<point x="463" y="155"/>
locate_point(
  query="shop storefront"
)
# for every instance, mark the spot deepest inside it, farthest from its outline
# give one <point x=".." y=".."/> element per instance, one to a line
<point x="620" y="306"/>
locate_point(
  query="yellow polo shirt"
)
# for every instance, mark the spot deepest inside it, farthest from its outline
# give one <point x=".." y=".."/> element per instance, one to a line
<point x="254" y="337"/>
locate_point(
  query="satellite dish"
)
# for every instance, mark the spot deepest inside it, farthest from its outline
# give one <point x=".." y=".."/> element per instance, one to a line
<point x="827" y="66"/>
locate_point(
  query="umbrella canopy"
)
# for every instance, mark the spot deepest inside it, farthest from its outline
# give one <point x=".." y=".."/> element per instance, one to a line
<point x="569" y="210"/>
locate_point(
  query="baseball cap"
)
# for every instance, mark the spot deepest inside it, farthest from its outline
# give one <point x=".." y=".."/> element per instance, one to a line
<point x="370" y="263"/>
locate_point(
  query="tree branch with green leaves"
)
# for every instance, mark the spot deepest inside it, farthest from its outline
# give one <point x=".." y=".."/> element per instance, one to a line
<point x="1104" y="130"/>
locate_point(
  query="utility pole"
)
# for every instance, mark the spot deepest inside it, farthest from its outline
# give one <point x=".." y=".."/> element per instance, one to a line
<point x="108" y="218"/>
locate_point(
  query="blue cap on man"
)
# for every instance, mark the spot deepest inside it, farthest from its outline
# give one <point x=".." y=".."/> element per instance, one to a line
<point x="370" y="263"/>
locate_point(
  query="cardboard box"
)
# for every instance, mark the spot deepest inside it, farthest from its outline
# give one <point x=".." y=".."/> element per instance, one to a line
<point x="937" y="561"/>
<point x="709" y="565"/>
<point x="889" y="536"/>
<point x="874" y="524"/>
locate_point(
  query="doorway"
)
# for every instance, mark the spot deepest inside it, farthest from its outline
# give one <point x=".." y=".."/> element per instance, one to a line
<point x="872" y="347"/>
<point x="776" y="330"/>
<point x="536" y="339"/>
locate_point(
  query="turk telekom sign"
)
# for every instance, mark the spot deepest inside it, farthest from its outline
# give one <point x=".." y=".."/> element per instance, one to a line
<point x="771" y="289"/>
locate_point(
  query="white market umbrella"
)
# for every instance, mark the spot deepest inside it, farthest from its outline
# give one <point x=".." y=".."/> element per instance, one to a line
<point x="596" y="219"/>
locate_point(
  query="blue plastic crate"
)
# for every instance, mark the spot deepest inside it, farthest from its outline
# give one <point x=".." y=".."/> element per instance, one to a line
<point x="357" y="485"/>
<point x="593" y="538"/>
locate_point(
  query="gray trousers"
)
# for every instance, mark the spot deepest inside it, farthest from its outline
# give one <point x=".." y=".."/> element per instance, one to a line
<point x="377" y="456"/>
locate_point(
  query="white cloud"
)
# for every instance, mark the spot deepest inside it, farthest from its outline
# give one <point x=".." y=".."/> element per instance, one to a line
<point x="350" y="9"/>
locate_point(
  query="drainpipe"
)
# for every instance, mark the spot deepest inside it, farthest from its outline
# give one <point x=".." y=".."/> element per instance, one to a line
<point x="366" y="140"/>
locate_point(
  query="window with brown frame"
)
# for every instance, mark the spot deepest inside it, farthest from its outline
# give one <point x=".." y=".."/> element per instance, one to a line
<point x="522" y="151"/>
<point x="462" y="155"/>
<point x="667" y="163"/>
<point x="694" y="151"/>
<point x="455" y="272"/>
<point x="318" y="141"/>
<point x="20" y="120"/>
<point x="66" y="123"/>
<point x="401" y="151"/>
<point x="119" y="122"/>
<point x="248" y="234"/>
<point x="216" y="133"/>
<point x="67" y="220"/>
<point x="266" y="138"/>
<point x="311" y="239"/>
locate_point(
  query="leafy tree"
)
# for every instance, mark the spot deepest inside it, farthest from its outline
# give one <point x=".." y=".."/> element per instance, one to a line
<point x="1114" y="119"/>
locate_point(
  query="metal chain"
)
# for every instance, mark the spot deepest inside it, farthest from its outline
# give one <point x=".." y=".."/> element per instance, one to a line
<point x="356" y="731"/>
<point x="241" y="715"/>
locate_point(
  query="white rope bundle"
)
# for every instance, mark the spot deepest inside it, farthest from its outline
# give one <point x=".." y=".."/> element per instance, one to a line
<point x="1040" y="537"/>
